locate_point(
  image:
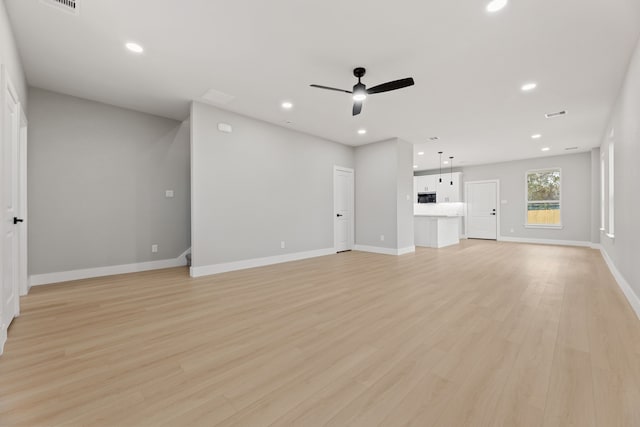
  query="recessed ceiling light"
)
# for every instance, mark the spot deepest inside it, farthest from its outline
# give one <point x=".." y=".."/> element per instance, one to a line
<point x="287" y="105"/>
<point x="415" y="166"/>
<point x="496" y="5"/>
<point x="134" y="47"/>
<point x="421" y="153"/>
<point x="362" y="131"/>
<point x="536" y="136"/>
<point x="528" y="87"/>
<point x="546" y="149"/>
<point x="434" y="138"/>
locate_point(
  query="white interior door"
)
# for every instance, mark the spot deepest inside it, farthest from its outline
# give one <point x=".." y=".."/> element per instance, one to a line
<point x="343" y="209"/>
<point x="10" y="247"/>
<point x="482" y="210"/>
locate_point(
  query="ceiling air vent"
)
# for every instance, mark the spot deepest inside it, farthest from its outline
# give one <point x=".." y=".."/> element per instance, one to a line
<point x="69" y="6"/>
<point x="570" y="148"/>
<point x="556" y="114"/>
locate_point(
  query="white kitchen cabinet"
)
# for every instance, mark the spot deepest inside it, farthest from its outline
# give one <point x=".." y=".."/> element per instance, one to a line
<point x="425" y="184"/>
<point x="447" y="193"/>
<point x="435" y="231"/>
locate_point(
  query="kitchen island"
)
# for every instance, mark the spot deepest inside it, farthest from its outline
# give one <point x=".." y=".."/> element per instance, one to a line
<point x="436" y="231"/>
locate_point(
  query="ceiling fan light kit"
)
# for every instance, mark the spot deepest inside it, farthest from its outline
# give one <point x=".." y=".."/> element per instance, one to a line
<point x="360" y="91"/>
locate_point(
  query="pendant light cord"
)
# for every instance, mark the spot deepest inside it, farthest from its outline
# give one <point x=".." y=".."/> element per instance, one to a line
<point x="451" y="170"/>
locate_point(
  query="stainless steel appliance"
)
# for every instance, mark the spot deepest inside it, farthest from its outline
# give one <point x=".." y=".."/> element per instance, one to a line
<point x="427" y="197"/>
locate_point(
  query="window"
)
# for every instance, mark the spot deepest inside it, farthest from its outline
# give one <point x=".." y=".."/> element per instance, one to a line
<point x="611" y="231"/>
<point x="543" y="198"/>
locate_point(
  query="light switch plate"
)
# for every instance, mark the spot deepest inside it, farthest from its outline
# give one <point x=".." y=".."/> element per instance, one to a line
<point x="225" y="127"/>
<point x="168" y="194"/>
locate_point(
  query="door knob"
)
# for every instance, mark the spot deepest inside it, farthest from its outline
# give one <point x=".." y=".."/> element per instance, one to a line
<point x="338" y="215"/>
<point x="17" y="220"/>
<point x="493" y="213"/>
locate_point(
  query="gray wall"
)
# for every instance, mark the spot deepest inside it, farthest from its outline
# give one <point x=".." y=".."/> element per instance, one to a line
<point x="376" y="194"/>
<point x="384" y="179"/>
<point x="96" y="181"/>
<point x="10" y="57"/>
<point x="258" y="186"/>
<point x="576" y="195"/>
<point x="624" y="250"/>
<point x="405" y="194"/>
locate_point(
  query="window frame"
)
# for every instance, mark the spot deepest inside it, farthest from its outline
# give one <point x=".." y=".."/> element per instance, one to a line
<point x="611" y="195"/>
<point x="527" y="202"/>
<point x="603" y="194"/>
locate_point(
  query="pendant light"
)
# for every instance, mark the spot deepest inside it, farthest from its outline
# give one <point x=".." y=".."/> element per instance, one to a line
<point x="451" y="168"/>
<point x="440" y="152"/>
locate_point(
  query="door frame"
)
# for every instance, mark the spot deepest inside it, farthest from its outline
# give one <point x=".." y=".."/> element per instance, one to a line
<point x="352" y="206"/>
<point x="466" y="204"/>
<point x="23" y="278"/>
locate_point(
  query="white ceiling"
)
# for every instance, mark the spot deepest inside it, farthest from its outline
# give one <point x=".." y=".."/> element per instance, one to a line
<point x="468" y="65"/>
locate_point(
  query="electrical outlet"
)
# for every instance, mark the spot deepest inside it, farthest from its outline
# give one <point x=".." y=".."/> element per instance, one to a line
<point x="282" y="245"/>
<point x="154" y="249"/>
<point x="382" y="237"/>
<point x="512" y="230"/>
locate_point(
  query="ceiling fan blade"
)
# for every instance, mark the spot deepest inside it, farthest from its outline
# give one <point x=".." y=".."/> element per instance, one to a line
<point x="331" y="88"/>
<point x="357" y="108"/>
<point x="386" y="87"/>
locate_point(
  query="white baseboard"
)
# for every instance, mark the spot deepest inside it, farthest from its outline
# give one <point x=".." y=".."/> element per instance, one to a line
<point x="87" y="273"/>
<point x="545" y="241"/>
<point x="407" y="250"/>
<point x="385" y="251"/>
<point x="3" y="338"/>
<point x="628" y="292"/>
<point x="224" y="267"/>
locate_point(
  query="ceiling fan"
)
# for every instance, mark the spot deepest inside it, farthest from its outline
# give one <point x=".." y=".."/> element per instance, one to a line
<point x="360" y="91"/>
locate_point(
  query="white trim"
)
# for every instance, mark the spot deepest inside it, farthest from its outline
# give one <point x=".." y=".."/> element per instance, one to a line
<point x="596" y="246"/>
<point x="628" y="292"/>
<point x="611" y="236"/>
<point x="385" y="251"/>
<point x="23" y="275"/>
<point x="87" y="273"/>
<point x="184" y="254"/>
<point x="224" y="267"/>
<point x="407" y="250"/>
<point x="3" y="339"/>
<point x="545" y="241"/>
<point x="551" y="227"/>
<point x="498" y="204"/>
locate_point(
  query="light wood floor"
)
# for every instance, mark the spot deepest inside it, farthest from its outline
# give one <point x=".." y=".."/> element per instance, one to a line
<point x="485" y="333"/>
